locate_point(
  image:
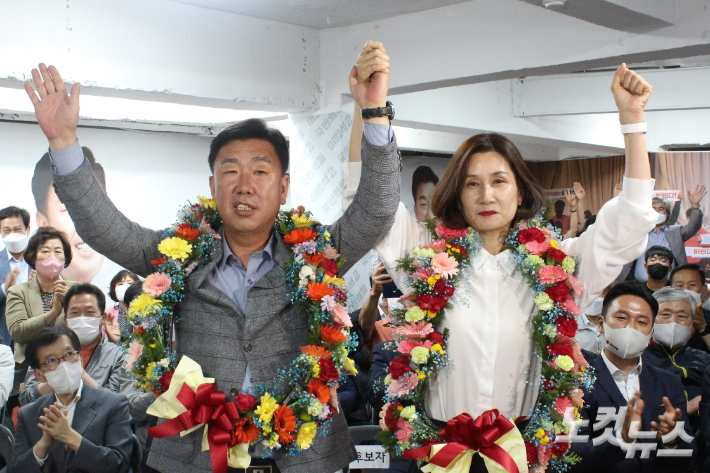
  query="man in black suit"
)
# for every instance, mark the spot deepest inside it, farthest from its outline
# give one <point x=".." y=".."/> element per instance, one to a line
<point x="654" y="398"/>
<point x="81" y="429"/>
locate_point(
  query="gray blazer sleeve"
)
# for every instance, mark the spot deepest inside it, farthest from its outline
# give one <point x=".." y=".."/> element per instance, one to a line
<point x="371" y="214"/>
<point x="30" y="393"/>
<point x="23" y="460"/>
<point x="696" y="221"/>
<point x="102" y="226"/>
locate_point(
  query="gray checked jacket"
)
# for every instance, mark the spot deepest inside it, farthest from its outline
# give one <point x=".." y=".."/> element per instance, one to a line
<point x="212" y="331"/>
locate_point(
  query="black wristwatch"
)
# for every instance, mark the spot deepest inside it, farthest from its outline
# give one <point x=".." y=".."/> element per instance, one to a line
<point x="386" y="111"/>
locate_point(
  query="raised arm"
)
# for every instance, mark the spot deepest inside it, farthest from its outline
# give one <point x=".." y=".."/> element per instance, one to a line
<point x="573" y="214"/>
<point x="696" y="215"/>
<point x="96" y="219"/>
<point x="581" y="205"/>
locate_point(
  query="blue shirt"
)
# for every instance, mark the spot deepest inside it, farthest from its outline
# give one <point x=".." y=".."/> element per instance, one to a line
<point x="655" y="238"/>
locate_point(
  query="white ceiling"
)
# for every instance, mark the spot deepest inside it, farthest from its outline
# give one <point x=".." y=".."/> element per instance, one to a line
<point x="321" y="14"/>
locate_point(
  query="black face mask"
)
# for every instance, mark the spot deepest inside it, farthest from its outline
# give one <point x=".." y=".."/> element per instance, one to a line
<point x="657" y="271"/>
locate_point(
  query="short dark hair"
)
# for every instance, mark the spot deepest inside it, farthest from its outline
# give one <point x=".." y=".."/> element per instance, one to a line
<point x="85" y="288"/>
<point x="13" y="211"/>
<point x="658" y="250"/>
<point x="446" y="198"/>
<point x="629" y="288"/>
<point x="252" y="129"/>
<point x="688" y="267"/>
<point x="43" y="235"/>
<point x="559" y="204"/>
<point x="133" y="291"/>
<point x="43" y="178"/>
<point x="422" y="175"/>
<point x="124" y="273"/>
<point x="46" y="337"/>
<point x="588" y="214"/>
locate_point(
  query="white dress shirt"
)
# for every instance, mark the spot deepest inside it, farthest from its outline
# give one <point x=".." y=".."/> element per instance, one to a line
<point x="71" y="407"/>
<point x="490" y="341"/>
<point x="24" y="270"/>
<point x="627" y="384"/>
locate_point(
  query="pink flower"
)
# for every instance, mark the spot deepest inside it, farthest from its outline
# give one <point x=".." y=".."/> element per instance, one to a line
<point x="190" y="268"/>
<point x="552" y="275"/>
<point x="205" y="227"/>
<point x="341" y="316"/>
<point x="331" y="253"/>
<point x="400" y="387"/>
<point x="327" y="303"/>
<point x="406" y="346"/>
<point x="156" y="284"/>
<point x="325" y="412"/>
<point x="445" y="265"/>
<point x="404" y="434"/>
<point x="537" y="248"/>
<point x="570" y="306"/>
<point x="447" y="233"/>
<point x="574" y="285"/>
<point x="543" y="455"/>
<point x="423" y="273"/>
<point x="439" y="246"/>
<point x="564" y="407"/>
<point x="135" y="349"/>
<point x="415" y="330"/>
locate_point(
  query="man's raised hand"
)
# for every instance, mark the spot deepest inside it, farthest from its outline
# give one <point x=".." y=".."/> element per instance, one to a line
<point x="369" y="79"/>
<point x="56" y="110"/>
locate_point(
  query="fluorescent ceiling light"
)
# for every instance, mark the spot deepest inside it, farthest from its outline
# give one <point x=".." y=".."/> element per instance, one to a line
<point x="111" y="108"/>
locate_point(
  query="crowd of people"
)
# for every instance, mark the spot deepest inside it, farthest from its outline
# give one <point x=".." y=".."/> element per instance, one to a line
<point x="643" y="326"/>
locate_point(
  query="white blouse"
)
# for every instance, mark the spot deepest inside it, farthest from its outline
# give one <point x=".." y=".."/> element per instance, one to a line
<point x="490" y="330"/>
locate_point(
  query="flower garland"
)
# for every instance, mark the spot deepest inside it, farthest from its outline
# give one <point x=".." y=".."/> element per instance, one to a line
<point x="433" y="272"/>
<point x="289" y="414"/>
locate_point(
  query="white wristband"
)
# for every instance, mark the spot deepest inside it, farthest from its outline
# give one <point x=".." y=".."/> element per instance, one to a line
<point x="633" y="128"/>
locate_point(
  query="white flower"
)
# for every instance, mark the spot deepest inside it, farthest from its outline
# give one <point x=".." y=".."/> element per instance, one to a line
<point x="164" y="362"/>
<point x="306" y="272"/>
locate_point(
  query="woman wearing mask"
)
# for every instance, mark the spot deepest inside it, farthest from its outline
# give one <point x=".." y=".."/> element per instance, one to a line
<point x="37" y="304"/>
<point x="116" y="325"/>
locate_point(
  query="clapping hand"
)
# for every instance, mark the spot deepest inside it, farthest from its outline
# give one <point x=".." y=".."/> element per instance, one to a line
<point x="634" y="410"/>
<point x="666" y="421"/>
<point x="56" y="425"/>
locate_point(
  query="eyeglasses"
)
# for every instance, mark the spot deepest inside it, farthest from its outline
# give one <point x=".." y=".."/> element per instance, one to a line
<point x="52" y="363"/>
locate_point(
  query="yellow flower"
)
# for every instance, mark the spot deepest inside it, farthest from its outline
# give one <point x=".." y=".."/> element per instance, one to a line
<point x="306" y="434"/>
<point x="266" y="408"/>
<point x="152" y="345"/>
<point x="337" y="281"/>
<point x="545" y="440"/>
<point x="302" y="221"/>
<point x="149" y="370"/>
<point x="144" y="304"/>
<point x="266" y="428"/>
<point x="315" y="367"/>
<point x="564" y="362"/>
<point x="349" y="366"/>
<point x="326" y="235"/>
<point x="175" y="248"/>
<point x="207" y="202"/>
<point x="437" y="348"/>
<point x="553" y="244"/>
<point x="421" y="376"/>
<point x="431" y="280"/>
<point x="540" y="433"/>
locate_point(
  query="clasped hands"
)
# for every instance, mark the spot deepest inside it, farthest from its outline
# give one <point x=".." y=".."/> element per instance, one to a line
<point x="56" y="428"/>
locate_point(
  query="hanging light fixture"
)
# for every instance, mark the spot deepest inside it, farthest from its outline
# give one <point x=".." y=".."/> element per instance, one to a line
<point x="553" y="3"/>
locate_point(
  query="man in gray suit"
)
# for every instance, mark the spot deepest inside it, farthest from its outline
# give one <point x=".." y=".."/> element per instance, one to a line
<point x="81" y="428"/>
<point x="236" y="319"/>
<point x="672" y="237"/>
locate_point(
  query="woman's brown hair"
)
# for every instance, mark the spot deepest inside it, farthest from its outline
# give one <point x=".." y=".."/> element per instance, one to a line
<point x="446" y="198"/>
<point x="43" y="235"/>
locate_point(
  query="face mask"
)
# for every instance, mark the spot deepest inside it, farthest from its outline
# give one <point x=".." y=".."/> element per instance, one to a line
<point x="657" y="271"/>
<point x="15" y="242"/>
<point x="86" y="328"/>
<point x="121" y="291"/>
<point x="671" y="335"/>
<point x="661" y="218"/>
<point x="694" y="295"/>
<point x="625" y="342"/>
<point x="66" y="378"/>
<point x="50" y="267"/>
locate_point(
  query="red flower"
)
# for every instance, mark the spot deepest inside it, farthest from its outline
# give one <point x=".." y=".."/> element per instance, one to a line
<point x="556" y="254"/>
<point x="159" y="261"/>
<point x="429" y="302"/>
<point x="331" y="336"/>
<point x="197" y="212"/>
<point x="558" y="349"/>
<point x="399" y="366"/>
<point x="531" y="453"/>
<point x="392" y="416"/>
<point x="443" y="289"/>
<point x="140" y="330"/>
<point x="531" y="234"/>
<point x="567" y="326"/>
<point x="459" y="255"/>
<point x="339" y="295"/>
<point x="319" y="390"/>
<point x="327" y="370"/>
<point x="437" y="337"/>
<point x="165" y="379"/>
<point x="187" y="233"/>
<point x="284" y="423"/>
<point x="330" y="266"/>
<point x="245" y="402"/>
<point x="299" y="236"/>
<point x="549" y="384"/>
<point x="559" y="448"/>
<point x="558" y="293"/>
<point x="314" y="259"/>
<point x="318" y="290"/>
<point x="246" y="431"/>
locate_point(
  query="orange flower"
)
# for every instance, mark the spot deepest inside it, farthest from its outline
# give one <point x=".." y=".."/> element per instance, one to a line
<point x="187" y="233"/>
<point x="318" y="290"/>
<point x="314" y="259"/>
<point x="299" y="236"/>
<point x="317" y="352"/>
<point x="320" y="390"/>
<point x="246" y="431"/>
<point x="331" y="336"/>
<point x="284" y="423"/>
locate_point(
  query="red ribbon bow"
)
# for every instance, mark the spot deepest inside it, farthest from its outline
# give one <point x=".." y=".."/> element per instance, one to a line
<point x="205" y="406"/>
<point x="463" y="433"/>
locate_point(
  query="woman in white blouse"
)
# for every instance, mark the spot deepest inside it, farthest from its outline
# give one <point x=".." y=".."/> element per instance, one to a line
<point x="487" y="186"/>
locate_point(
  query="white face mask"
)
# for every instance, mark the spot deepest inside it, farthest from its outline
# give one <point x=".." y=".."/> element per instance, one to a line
<point x="121" y="291"/>
<point x="66" y="378"/>
<point x="625" y="342"/>
<point x="596" y="307"/>
<point x="661" y="218"/>
<point x="671" y="335"/>
<point x="15" y="242"/>
<point x="86" y="328"/>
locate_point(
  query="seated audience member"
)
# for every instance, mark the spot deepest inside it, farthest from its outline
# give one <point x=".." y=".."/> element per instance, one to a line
<point x="703" y="437"/>
<point x="671" y="331"/>
<point x="658" y="264"/>
<point x="102" y="361"/>
<point x="75" y="427"/>
<point x="691" y="278"/>
<point x="652" y="396"/>
<point x="15" y="231"/>
<point x="588" y="335"/>
<point x="37" y="304"/>
<point x="119" y="328"/>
